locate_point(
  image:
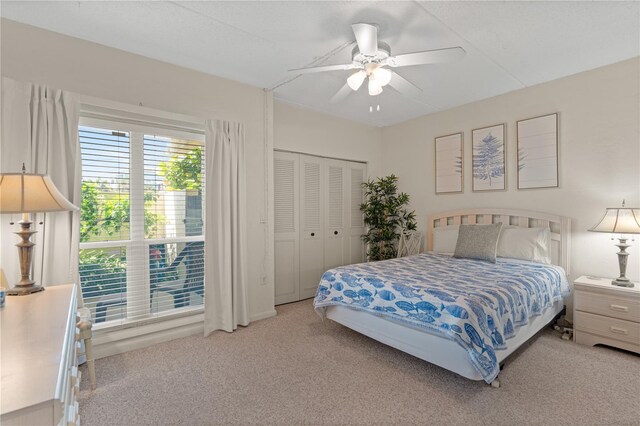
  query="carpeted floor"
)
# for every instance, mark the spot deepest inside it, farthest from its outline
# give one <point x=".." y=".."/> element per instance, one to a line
<point x="297" y="369"/>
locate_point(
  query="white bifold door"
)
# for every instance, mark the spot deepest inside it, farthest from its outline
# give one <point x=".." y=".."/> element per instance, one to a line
<point x="317" y="211"/>
<point x="287" y="228"/>
<point x="312" y="231"/>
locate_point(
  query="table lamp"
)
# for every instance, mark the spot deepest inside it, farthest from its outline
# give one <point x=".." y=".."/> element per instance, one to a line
<point x="27" y="193"/>
<point x="620" y="220"/>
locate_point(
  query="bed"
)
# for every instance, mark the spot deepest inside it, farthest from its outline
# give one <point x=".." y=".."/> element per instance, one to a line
<point x="464" y="315"/>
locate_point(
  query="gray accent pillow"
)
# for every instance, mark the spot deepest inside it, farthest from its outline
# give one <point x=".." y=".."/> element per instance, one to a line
<point x="478" y="242"/>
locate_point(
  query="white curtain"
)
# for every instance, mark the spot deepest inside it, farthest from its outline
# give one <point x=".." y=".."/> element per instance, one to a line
<point x="40" y="129"/>
<point x="226" y="297"/>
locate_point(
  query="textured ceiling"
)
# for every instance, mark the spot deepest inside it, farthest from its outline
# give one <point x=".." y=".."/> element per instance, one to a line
<point x="509" y="45"/>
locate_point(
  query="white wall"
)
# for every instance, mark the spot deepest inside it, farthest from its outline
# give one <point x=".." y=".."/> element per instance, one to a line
<point x="35" y="55"/>
<point x="599" y="156"/>
<point x="310" y="132"/>
<point x="599" y="137"/>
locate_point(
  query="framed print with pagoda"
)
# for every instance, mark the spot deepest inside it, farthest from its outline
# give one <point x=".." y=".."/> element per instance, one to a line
<point x="489" y="158"/>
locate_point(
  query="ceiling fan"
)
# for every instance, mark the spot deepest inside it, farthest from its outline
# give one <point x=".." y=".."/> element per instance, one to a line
<point x="371" y="57"/>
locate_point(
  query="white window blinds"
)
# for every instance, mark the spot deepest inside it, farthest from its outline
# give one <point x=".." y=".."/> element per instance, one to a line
<point x="142" y="245"/>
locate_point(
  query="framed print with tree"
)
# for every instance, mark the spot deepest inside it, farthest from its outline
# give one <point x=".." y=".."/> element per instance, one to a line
<point x="538" y="152"/>
<point x="489" y="158"/>
<point x="449" y="163"/>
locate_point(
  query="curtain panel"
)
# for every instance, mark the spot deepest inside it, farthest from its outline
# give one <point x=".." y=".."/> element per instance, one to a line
<point x="226" y="294"/>
<point x="40" y="129"/>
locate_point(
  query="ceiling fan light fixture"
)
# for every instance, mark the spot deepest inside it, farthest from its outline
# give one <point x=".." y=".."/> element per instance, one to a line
<point x="375" y="88"/>
<point x="382" y="76"/>
<point x="369" y="59"/>
<point x="356" y="79"/>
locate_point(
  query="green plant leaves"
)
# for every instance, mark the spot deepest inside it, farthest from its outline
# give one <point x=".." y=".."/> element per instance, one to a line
<point x="385" y="216"/>
<point x="183" y="172"/>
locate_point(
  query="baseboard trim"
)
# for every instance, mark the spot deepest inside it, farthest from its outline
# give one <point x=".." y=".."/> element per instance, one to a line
<point x="118" y="341"/>
<point x="263" y="315"/>
<point x="114" y="342"/>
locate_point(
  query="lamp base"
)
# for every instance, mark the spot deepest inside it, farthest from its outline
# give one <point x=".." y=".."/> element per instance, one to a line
<point x="622" y="280"/>
<point x="25" y="254"/>
<point x="24" y="290"/>
<point x="622" y="283"/>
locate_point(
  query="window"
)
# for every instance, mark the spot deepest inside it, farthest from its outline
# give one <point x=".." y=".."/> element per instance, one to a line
<point x="141" y="226"/>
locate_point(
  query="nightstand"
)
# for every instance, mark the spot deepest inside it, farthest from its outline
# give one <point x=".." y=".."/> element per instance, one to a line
<point x="606" y="314"/>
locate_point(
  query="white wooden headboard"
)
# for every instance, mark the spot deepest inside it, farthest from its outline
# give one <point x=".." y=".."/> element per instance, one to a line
<point x="560" y="227"/>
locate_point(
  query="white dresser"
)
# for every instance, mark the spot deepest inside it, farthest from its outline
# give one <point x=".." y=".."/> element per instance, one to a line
<point x="606" y="314"/>
<point x="40" y="377"/>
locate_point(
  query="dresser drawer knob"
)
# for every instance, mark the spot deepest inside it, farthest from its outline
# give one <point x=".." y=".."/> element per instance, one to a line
<point x="619" y="330"/>
<point x="619" y="308"/>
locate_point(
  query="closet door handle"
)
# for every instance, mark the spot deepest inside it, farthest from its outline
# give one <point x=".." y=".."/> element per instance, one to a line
<point x="335" y="232"/>
<point x="313" y="234"/>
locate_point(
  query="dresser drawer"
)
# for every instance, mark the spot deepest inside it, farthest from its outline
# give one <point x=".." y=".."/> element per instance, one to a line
<point x="611" y="306"/>
<point x="612" y="328"/>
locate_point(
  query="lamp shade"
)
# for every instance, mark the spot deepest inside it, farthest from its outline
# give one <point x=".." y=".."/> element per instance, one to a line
<point x="374" y="87"/>
<point x="356" y="79"/>
<point x="382" y="76"/>
<point x="619" y="220"/>
<point x="30" y="193"/>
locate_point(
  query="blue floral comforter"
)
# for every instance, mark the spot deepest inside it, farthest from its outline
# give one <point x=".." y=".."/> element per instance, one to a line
<point x="477" y="304"/>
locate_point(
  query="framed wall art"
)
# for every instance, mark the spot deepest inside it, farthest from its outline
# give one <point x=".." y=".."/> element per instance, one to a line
<point x="489" y="158"/>
<point x="449" y="154"/>
<point x="538" y="152"/>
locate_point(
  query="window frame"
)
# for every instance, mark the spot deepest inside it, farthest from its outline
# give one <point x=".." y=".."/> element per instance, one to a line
<point x="138" y="309"/>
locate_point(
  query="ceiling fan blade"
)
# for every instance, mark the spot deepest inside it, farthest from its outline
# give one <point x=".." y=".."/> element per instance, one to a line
<point x="404" y="86"/>
<point x="323" y="69"/>
<point x="342" y="94"/>
<point x="427" y="57"/>
<point x="367" y="38"/>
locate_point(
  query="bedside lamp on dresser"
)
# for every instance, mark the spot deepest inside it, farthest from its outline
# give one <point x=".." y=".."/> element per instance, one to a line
<point x="39" y="331"/>
<point x="608" y="311"/>
<point x="621" y="221"/>
<point x="26" y="193"/>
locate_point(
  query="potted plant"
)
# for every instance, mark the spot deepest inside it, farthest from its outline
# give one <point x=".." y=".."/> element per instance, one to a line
<point x="386" y="217"/>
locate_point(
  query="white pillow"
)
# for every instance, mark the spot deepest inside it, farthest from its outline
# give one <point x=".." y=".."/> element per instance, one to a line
<point x="445" y="239"/>
<point x="525" y="243"/>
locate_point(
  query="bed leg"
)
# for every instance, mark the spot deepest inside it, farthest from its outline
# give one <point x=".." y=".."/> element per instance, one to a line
<point x="496" y="381"/>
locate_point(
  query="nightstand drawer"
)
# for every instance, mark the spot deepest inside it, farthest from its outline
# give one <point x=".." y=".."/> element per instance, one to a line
<point x="608" y="327"/>
<point x="611" y="306"/>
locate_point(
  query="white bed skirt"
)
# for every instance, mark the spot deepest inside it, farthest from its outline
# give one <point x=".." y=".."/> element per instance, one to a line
<point x="430" y="347"/>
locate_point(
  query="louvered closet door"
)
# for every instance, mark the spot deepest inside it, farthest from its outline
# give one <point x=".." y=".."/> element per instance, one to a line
<point x="311" y="224"/>
<point x="287" y="250"/>
<point x="335" y="207"/>
<point x="357" y="174"/>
